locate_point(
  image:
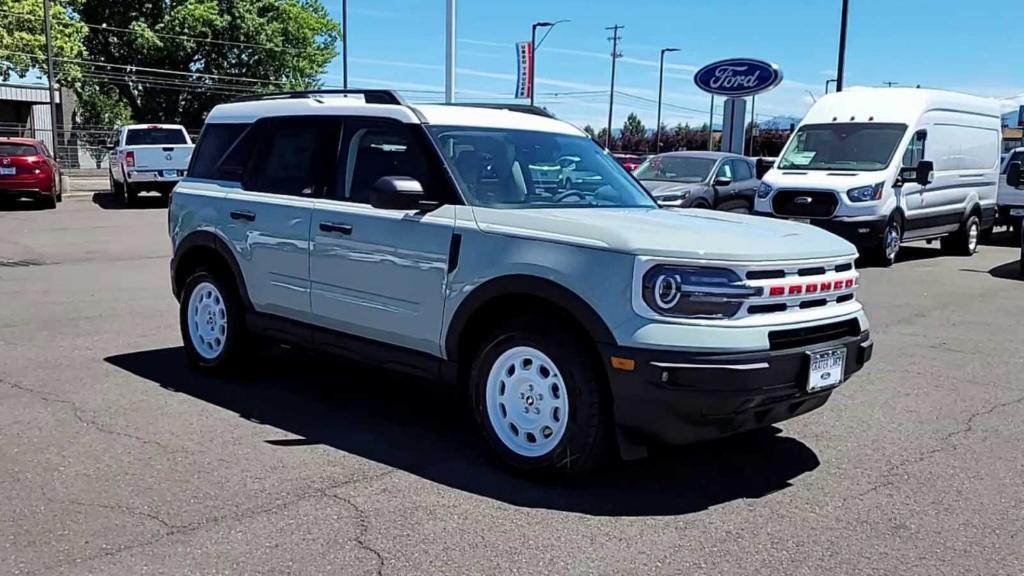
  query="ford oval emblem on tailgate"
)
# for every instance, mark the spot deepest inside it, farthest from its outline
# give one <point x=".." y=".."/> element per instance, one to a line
<point x="803" y="200"/>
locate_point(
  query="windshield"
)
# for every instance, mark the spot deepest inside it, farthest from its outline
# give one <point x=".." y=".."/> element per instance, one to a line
<point x="500" y="168"/>
<point x="676" y="169"/>
<point x="847" y="146"/>
<point x="154" y="136"/>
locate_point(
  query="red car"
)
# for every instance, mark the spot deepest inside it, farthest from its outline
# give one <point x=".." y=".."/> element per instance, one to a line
<point x="629" y="161"/>
<point x="28" y="170"/>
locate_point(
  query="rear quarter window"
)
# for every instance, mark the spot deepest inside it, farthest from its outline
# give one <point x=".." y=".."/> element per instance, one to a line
<point x="18" y="150"/>
<point x="214" y="144"/>
<point x="155" y="137"/>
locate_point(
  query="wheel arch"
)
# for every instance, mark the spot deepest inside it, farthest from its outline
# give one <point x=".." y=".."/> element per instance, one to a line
<point x="204" y="248"/>
<point x="506" y="296"/>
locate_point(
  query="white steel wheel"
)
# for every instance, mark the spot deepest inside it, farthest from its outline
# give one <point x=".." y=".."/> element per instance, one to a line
<point x="207" y="320"/>
<point x="973" y="234"/>
<point x="526" y="401"/>
<point x="892" y="241"/>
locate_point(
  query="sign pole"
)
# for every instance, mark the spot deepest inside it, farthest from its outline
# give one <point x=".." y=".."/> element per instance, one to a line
<point x="449" y="60"/>
<point x="711" y="123"/>
<point x="753" y="123"/>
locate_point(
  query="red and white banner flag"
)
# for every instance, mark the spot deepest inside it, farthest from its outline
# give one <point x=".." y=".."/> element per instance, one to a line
<point x="524" y="79"/>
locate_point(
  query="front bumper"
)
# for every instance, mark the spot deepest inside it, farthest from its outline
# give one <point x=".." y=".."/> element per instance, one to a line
<point x="684" y="397"/>
<point x="1005" y="216"/>
<point x="863" y="232"/>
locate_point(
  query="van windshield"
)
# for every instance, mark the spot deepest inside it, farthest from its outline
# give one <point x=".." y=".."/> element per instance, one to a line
<point x="851" y="146"/>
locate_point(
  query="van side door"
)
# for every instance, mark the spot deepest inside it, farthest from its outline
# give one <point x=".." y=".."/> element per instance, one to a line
<point x="375" y="273"/>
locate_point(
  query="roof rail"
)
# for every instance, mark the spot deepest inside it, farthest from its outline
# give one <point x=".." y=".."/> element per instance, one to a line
<point x="371" y="96"/>
<point x="522" y="108"/>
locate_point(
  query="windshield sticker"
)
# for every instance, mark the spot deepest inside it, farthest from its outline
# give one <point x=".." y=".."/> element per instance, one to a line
<point x="801" y="158"/>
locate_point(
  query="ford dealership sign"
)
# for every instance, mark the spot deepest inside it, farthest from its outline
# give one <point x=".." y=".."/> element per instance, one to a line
<point x="738" y="77"/>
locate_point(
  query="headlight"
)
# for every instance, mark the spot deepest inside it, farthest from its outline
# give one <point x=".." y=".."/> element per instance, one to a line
<point x="764" y="190"/>
<point x="866" y="193"/>
<point x="692" y="292"/>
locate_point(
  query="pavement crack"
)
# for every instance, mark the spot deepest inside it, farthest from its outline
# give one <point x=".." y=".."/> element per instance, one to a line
<point x="362" y="528"/>
<point x="80" y="415"/>
<point x="946" y="445"/>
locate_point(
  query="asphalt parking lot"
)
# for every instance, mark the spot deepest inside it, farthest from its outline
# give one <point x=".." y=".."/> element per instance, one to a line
<point x="116" y="459"/>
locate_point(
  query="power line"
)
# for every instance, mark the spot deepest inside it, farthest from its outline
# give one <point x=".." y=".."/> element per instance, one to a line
<point x="106" y="28"/>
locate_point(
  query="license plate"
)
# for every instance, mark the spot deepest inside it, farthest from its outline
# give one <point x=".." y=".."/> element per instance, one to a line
<point x="1017" y="212"/>
<point x="170" y="173"/>
<point x="8" y="171"/>
<point x="827" y="369"/>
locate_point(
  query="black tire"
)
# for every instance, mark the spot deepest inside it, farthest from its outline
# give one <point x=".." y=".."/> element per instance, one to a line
<point x="117" y="188"/>
<point x="701" y="205"/>
<point x="131" y="195"/>
<point x="235" y="336"/>
<point x="735" y="206"/>
<point x="1021" y="235"/>
<point x="586" y="437"/>
<point x="886" y="252"/>
<point x="963" y="242"/>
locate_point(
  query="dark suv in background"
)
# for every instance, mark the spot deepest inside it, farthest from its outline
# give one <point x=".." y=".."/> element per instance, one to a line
<point x="701" y="180"/>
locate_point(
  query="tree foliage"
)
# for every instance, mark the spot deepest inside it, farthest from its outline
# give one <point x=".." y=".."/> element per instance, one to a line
<point x="99" y="108"/>
<point x="23" y="40"/>
<point x="274" y="45"/>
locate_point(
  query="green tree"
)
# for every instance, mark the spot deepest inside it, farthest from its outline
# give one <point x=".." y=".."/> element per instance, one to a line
<point x="273" y="44"/>
<point x="23" y="41"/>
<point x="100" y="109"/>
<point x="589" y="130"/>
<point x="634" y="135"/>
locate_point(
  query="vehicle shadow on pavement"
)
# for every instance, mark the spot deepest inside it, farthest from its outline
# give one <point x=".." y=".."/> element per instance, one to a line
<point x="1008" y="271"/>
<point x="108" y="201"/>
<point x="426" y="430"/>
<point x="20" y="205"/>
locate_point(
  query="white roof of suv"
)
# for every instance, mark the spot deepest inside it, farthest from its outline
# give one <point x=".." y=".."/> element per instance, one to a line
<point x="345" y="105"/>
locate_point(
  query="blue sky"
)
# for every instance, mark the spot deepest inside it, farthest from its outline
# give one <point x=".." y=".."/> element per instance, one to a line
<point x="953" y="44"/>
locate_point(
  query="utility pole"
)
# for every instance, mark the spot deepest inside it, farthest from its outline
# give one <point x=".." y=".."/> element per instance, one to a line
<point x="50" y="72"/>
<point x="611" y="93"/>
<point x="661" y="85"/>
<point x="449" y="59"/>
<point x="842" y="47"/>
<point x="344" y="44"/>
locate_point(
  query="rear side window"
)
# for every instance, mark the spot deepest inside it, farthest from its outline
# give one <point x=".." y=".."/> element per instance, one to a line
<point x="18" y="150"/>
<point x="214" y="144"/>
<point x="742" y="170"/>
<point x="155" y="137"/>
<point x="290" y="156"/>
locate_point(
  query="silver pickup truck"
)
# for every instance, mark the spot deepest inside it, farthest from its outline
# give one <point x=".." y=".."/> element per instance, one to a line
<point x="147" y="158"/>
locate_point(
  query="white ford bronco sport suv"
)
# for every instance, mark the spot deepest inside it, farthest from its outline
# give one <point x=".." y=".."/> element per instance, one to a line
<point x="575" y="321"/>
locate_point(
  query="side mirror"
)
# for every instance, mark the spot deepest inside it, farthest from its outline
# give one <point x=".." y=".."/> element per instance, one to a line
<point x="722" y="181"/>
<point x="762" y="166"/>
<point x="396" y="193"/>
<point x="1013" y="174"/>
<point x="922" y="174"/>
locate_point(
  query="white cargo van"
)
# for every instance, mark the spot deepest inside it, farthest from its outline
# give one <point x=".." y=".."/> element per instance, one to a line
<point x="1011" y="198"/>
<point x="881" y="166"/>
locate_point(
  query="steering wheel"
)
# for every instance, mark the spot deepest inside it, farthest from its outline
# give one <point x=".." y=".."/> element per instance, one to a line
<point x="570" y="193"/>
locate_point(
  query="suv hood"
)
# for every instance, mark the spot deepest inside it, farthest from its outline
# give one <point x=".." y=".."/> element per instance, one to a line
<point x="661" y="188"/>
<point x="668" y="233"/>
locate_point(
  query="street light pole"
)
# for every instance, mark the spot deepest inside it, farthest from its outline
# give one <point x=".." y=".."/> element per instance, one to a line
<point x="661" y="86"/>
<point x="611" y="93"/>
<point x="344" y="44"/>
<point x="827" y="82"/>
<point x="842" y="47"/>
<point x="50" y="72"/>
<point x="533" y="47"/>
<point x="449" y="58"/>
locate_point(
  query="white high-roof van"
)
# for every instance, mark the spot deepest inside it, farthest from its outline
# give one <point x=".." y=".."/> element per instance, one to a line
<point x="881" y="166"/>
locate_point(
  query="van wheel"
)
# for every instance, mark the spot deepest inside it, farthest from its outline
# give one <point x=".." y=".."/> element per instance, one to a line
<point x="735" y="206"/>
<point x="538" y="397"/>
<point x="212" y="325"/>
<point x="889" y="246"/>
<point x="963" y="242"/>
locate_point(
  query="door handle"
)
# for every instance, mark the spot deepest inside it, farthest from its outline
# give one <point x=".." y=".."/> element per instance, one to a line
<point x="336" y="227"/>
<point x="243" y="215"/>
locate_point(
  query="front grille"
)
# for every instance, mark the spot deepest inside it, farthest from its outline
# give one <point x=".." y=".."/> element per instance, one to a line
<point x="804" y="337"/>
<point x="805" y="203"/>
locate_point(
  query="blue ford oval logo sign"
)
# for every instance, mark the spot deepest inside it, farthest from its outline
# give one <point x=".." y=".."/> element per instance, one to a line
<point x="738" y="77"/>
